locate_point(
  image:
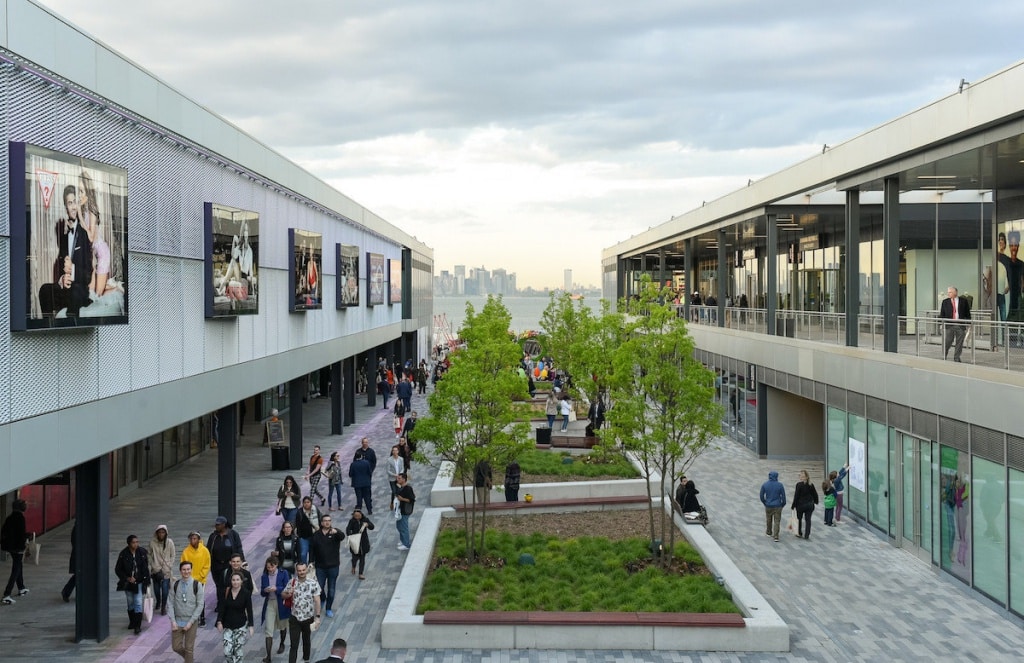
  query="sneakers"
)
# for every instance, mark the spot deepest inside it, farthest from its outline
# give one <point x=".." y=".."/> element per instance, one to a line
<point x="776" y="539"/>
<point x="22" y="592"/>
<point x="7" y="601"/>
<point x="401" y="547"/>
<point x="330" y="613"/>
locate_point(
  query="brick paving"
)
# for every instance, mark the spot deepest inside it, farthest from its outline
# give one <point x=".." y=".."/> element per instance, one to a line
<point x="847" y="594"/>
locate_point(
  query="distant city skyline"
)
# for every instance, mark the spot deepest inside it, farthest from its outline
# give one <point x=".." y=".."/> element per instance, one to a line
<point x="499" y="281"/>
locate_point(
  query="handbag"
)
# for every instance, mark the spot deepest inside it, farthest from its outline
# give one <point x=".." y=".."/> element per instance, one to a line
<point x="147" y="605"/>
<point x="287" y="600"/>
<point x="791" y="526"/>
<point x="354" y="541"/>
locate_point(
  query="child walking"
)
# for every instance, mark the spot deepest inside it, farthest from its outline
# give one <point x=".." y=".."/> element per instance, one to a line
<point x="830" y="501"/>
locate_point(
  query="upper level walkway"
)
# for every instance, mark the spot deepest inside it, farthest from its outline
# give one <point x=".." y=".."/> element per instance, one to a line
<point x="847" y="594"/>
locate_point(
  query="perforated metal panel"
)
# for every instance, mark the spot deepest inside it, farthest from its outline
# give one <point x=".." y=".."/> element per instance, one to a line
<point x="987" y="443"/>
<point x="31" y="109"/>
<point x="837" y="397"/>
<point x="114" y="351"/>
<point x="1015" y="452"/>
<point x="5" y="334"/>
<point x="144" y="189"/>
<point x="34" y="374"/>
<point x="144" y="312"/>
<point x="899" y="416"/>
<point x="924" y="425"/>
<point x="953" y="433"/>
<point x="170" y="308"/>
<point x="855" y="403"/>
<point x="192" y="320"/>
<point x="5" y="229"/>
<point x="78" y="359"/>
<point x="876" y="409"/>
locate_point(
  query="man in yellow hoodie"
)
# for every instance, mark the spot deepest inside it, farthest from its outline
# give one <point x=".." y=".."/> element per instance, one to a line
<point x="197" y="553"/>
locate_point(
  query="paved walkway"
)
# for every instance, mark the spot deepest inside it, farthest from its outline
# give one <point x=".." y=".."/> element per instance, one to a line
<point x="847" y="594"/>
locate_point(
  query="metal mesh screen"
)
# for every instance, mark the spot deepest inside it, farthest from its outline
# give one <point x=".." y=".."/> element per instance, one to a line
<point x="924" y="425"/>
<point x="1015" y="452"/>
<point x="987" y="443"/>
<point x="953" y="433"/>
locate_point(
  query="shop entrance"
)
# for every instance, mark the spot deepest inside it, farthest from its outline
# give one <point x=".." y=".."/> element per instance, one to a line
<point x="818" y="289"/>
<point x="910" y="470"/>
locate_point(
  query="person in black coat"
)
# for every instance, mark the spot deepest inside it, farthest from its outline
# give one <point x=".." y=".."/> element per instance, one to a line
<point x="686" y="496"/>
<point x="804" y="498"/>
<point x="70" y="586"/>
<point x="12" y="541"/>
<point x="956" y="312"/>
<point x="132" y="571"/>
<point x="359" y="524"/>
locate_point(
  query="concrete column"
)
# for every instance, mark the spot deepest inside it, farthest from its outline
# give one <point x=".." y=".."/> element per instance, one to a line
<point x="771" y="268"/>
<point x="721" y="278"/>
<point x="295" y="388"/>
<point x="337" y="413"/>
<point x="762" y="421"/>
<point x="92" y="550"/>
<point x="891" y="262"/>
<point x="371" y="377"/>
<point x="349" y="393"/>
<point x="852" y="266"/>
<point x="227" y="461"/>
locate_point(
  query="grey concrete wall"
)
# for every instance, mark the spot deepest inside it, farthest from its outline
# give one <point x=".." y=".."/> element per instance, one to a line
<point x="795" y="426"/>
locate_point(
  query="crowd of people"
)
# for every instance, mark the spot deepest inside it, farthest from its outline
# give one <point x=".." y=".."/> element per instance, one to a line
<point x="805" y="498"/>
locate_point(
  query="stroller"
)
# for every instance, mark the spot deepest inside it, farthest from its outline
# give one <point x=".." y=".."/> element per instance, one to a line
<point x="693" y="511"/>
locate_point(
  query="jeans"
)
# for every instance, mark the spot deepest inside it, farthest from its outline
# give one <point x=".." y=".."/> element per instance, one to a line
<point x="289" y="514"/>
<point x="551" y="421"/>
<point x="839" y="504"/>
<point x="328" y="579"/>
<point x="828" y="515"/>
<point x="295" y="628"/>
<point x="565" y="421"/>
<point x="402" y="525"/>
<point x="332" y="490"/>
<point x="304" y="550"/>
<point x="133" y="597"/>
<point x="161" y="590"/>
<point x="17" y="559"/>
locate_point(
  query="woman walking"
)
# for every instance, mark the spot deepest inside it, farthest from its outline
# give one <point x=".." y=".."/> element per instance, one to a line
<point x="287" y="548"/>
<point x="804" y="498"/>
<point x="334" y="480"/>
<point x="358" y="540"/>
<point x="288" y="499"/>
<point x="235" y="619"/>
<point x="275" y="612"/>
<point x="394" y="466"/>
<point x="551" y="408"/>
<point x="162" y="558"/>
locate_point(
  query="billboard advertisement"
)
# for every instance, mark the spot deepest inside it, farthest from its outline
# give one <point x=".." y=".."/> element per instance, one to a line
<point x="395" y="281"/>
<point x="374" y="279"/>
<point x="348" y="275"/>
<point x="232" y="259"/>
<point x="307" y="268"/>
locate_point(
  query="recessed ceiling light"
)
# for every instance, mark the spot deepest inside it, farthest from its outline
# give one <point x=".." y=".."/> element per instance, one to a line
<point x="936" y="177"/>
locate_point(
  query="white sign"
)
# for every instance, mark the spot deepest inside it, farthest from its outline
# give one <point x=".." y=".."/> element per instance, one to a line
<point x="857" y="469"/>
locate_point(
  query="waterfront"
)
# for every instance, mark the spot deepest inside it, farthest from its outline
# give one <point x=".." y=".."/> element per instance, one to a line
<point x="526" y="311"/>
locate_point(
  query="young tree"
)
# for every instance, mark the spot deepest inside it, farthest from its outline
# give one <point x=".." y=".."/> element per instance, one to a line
<point x="471" y="410"/>
<point x="664" y="409"/>
<point x="582" y="342"/>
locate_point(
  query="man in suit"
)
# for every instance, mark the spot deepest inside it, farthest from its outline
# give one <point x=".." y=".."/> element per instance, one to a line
<point x="955" y="312"/>
<point x="73" y="269"/>
<point x="337" y="652"/>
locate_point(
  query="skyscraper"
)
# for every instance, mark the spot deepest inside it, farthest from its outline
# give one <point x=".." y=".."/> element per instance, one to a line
<point x="568" y="280"/>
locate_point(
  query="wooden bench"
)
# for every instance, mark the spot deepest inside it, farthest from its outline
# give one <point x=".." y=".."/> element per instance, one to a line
<point x="540" y="618"/>
<point x="569" y="501"/>
<point x="573" y="441"/>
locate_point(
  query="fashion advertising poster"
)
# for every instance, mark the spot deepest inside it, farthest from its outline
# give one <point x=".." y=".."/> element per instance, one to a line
<point x="348" y="275"/>
<point x="232" y="244"/>
<point x="395" y="281"/>
<point x="71" y="254"/>
<point x="307" y="269"/>
<point x="374" y="279"/>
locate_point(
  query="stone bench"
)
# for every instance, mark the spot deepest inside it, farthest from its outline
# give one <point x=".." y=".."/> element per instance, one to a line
<point x="539" y="618"/>
<point x="573" y="441"/>
<point x="567" y="502"/>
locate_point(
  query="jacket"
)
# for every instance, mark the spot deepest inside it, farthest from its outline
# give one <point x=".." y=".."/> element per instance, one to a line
<point x="287" y="555"/>
<point x="360" y="473"/>
<point x="14" y="535"/>
<point x="162" y="555"/>
<point x="354" y="526"/>
<point x="805" y="496"/>
<point x="325" y="549"/>
<point x="306" y="525"/>
<point x="773" y="493"/>
<point x="130" y="565"/>
<point x="222" y="547"/>
<point x="200" y="559"/>
<point x="281" y="581"/>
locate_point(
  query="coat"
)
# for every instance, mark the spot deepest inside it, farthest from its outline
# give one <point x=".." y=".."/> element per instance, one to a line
<point x="131" y="564"/>
<point x="282" y="577"/>
<point x="354" y="526"/>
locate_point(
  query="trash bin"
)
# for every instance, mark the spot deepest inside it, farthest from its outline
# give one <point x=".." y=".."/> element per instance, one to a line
<point x="279" y="459"/>
<point x="543" y="435"/>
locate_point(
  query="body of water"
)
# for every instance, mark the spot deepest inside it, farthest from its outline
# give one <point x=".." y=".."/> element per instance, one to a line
<point x="526" y="311"/>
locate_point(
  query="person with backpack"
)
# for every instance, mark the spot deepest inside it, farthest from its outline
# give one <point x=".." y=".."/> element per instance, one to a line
<point x="184" y="608"/>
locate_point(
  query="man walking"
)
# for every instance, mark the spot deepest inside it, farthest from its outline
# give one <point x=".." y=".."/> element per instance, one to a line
<point x="404" y="391"/>
<point x="338" y="649"/>
<point x="305" y="596"/>
<point x="325" y="555"/>
<point x="184" y="609"/>
<point x="198" y="557"/>
<point x="223" y="544"/>
<point x="406" y="499"/>
<point x="773" y="497"/>
<point x="955" y="312"/>
<point x="13" y="537"/>
<point x="361" y="475"/>
<point x="368" y="453"/>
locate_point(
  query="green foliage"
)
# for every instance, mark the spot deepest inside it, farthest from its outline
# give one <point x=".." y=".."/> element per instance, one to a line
<point x="472" y="411"/>
<point x="581" y="342"/>
<point x="549" y="462"/>
<point x="664" y="398"/>
<point x="584" y="574"/>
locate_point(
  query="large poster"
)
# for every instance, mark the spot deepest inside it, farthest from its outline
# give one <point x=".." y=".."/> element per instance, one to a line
<point x="374" y="279"/>
<point x="395" y="281"/>
<point x="69" y="243"/>
<point x="307" y="269"/>
<point x="348" y="275"/>
<point x="232" y="261"/>
<point x="858" y="467"/>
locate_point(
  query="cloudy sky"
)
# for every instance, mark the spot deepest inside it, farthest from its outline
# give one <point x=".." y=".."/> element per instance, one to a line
<point x="530" y="135"/>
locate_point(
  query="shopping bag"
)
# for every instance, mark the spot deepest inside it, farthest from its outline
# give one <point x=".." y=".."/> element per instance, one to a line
<point x="147" y="605"/>
<point x="791" y="526"/>
<point x="354" y="540"/>
<point x="398" y="510"/>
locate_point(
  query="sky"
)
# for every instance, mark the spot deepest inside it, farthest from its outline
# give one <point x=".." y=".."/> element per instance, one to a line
<point x="531" y="135"/>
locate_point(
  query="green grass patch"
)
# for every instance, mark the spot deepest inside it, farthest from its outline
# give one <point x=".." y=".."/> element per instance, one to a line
<point x="587" y="574"/>
<point x="538" y="462"/>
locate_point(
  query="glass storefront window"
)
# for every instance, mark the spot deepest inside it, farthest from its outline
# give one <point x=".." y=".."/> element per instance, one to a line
<point x="878" y="475"/>
<point x="955" y="497"/>
<point x="837" y="452"/>
<point x="1017" y="541"/>
<point x="856" y="500"/>
<point x="988" y="503"/>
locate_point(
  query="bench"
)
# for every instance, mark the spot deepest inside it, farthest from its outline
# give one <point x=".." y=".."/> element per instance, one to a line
<point x="540" y="618"/>
<point x="573" y="441"/>
<point x="569" y="501"/>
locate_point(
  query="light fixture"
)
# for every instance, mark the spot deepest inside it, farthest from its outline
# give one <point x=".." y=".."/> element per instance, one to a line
<point x="936" y="177"/>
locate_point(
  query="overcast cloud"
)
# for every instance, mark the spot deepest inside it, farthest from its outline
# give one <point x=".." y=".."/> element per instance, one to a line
<point x="530" y="135"/>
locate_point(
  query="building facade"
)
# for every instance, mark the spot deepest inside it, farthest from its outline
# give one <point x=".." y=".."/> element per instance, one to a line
<point x="828" y="337"/>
